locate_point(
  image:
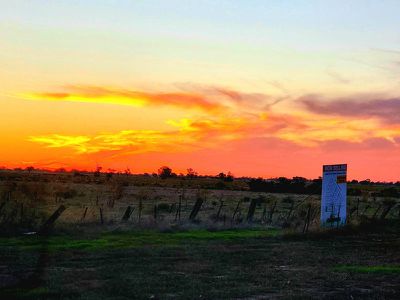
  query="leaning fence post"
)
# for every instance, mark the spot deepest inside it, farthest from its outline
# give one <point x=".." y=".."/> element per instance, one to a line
<point x="386" y="211"/>
<point x="196" y="209"/>
<point x="264" y="214"/>
<point x="236" y="210"/>
<point x="22" y="213"/>
<point x="50" y="221"/>
<point x="358" y="205"/>
<point x="178" y="210"/>
<point x="101" y="215"/>
<point x="376" y="212"/>
<point x="127" y="214"/>
<point x="84" y="214"/>
<point x="365" y="209"/>
<point x="219" y="210"/>
<point x="140" y="210"/>
<point x="2" y="206"/>
<point x="271" y="213"/>
<point x="290" y="212"/>
<point x="8" y="198"/>
<point x="155" y="212"/>
<point x="307" y="221"/>
<point x="252" y="209"/>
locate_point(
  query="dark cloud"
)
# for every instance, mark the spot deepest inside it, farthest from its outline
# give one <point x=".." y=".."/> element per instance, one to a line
<point x="388" y="110"/>
<point x="245" y="100"/>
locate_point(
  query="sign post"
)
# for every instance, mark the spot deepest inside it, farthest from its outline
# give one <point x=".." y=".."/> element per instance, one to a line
<point x="334" y="195"/>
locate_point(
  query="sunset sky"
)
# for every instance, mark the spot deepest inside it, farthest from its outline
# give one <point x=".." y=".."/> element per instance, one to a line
<point x="258" y="88"/>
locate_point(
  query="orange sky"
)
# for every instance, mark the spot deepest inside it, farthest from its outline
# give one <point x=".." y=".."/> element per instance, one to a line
<point x="243" y="97"/>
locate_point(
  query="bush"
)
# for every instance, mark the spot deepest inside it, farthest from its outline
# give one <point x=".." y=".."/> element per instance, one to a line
<point x="33" y="190"/>
<point x="287" y="200"/>
<point x="163" y="206"/>
<point x="67" y="194"/>
<point x="388" y="192"/>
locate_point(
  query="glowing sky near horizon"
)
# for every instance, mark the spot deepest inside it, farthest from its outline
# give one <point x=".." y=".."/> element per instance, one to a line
<point x="258" y="88"/>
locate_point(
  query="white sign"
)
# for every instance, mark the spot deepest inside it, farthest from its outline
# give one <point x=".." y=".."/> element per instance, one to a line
<point x="334" y="195"/>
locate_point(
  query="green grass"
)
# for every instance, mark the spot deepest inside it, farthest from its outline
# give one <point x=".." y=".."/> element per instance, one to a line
<point x="369" y="269"/>
<point x="132" y="239"/>
<point x="26" y="293"/>
<point x="194" y="264"/>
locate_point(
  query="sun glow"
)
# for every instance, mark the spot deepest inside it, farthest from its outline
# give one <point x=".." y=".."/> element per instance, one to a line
<point x="207" y="93"/>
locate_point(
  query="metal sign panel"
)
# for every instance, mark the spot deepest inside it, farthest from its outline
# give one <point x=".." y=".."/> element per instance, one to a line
<point x="334" y="195"/>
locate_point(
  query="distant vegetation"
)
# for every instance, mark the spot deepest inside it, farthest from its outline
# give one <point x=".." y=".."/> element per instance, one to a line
<point x="164" y="199"/>
<point x="166" y="177"/>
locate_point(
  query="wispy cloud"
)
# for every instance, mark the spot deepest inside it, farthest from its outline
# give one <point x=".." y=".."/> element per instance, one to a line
<point x="92" y="94"/>
<point x="359" y="107"/>
<point x="230" y="115"/>
<point x="337" y="77"/>
<point x="209" y="99"/>
<point x="135" y="141"/>
<point x="185" y="134"/>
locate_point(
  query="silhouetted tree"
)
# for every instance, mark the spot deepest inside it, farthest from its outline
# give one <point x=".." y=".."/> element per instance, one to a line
<point x="165" y="172"/>
<point x="29" y="169"/>
<point x="191" y="173"/>
<point x="98" y="171"/>
<point x="366" y="181"/>
<point x="229" y="177"/>
<point x="298" y="185"/>
<point x="221" y="175"/>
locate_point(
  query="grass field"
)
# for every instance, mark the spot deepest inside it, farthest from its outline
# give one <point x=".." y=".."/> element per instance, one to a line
<point x="199" y="264"/>
<point x="160" y="252"/>
<point x="26" y="202"/>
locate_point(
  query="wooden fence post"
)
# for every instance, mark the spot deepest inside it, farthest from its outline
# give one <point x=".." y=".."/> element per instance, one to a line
<point x="307" y="221"/>
<point x="140" y="210"/>
<point x="127" y="214"/>
<point x="171" y="207"/>
<point x="365" y="209"/>
<point x="84" y="214"/>
<point x="50" y="221"/>
<point x="271" y="213"/>
<point x="236" y="210"/>
<point x="2" y="205"/>
<point x="376" y="211"/>
<point x="219" y="210"/>
<point x="178" y="209"/>
<point x="22" y="213"/>
<point x="196" y="209"/>
<point x="358" y="205"/>
<point x="7" y="199"/>
<point x="101" y="215"/>
<point x="264" y="214"/>
<point x="290" y="213"/>
<point x="251" y="211"/>
<point x="386" y="211"/>
<point x="155" y="212"/>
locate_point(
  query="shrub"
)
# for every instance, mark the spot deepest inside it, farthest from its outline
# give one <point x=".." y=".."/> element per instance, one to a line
<point x="287" y="200"/>
<point x="163" y="206"/>
<point x="67" y="194"/>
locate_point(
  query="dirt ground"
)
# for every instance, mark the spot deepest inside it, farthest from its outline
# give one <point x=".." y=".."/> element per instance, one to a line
<point x="200" y="264"/>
